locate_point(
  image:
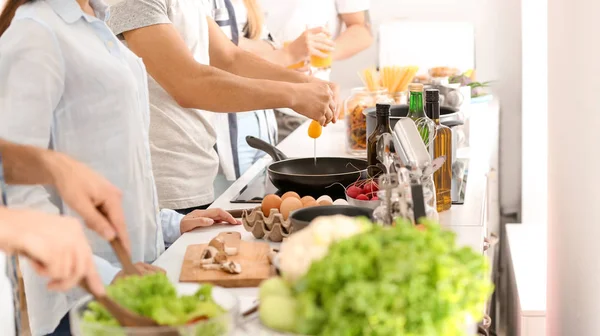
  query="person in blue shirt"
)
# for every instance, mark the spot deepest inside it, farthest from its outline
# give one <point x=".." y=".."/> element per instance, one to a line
<point x="56" y="244"/>
<point x="67" y="83"/>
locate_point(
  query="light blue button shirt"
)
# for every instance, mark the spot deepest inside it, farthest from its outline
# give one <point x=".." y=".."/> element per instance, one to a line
<point x="67" y="83"/>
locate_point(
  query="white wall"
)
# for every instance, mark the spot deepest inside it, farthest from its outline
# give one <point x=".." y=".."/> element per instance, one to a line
<point x="534" y="199"/>
<point x="498" y="57"/>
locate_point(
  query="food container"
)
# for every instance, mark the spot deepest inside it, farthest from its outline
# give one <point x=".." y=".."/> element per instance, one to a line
<point x="400" y="98"/>
<point x="272" y="228"/>
<point x="356" y="123"/>
<point x="303" y="217"/>
<point x="363" y="204"/>
<point x="223" y="325"/>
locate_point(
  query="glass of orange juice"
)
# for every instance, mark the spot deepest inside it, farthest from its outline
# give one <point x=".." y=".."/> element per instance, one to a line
<point x="321" y="62"/>
<point x="298" y="65"/>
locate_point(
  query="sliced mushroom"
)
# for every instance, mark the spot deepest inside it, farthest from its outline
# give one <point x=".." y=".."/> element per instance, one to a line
<point x="231" y="241"/>
<point x="211" y="267"/>
<point x="218" y="243"/>
<point x="221" y="257"/>
<point x="208" y="255"/>
<point x="231" y="267"/>
<point x="231" y="251"/>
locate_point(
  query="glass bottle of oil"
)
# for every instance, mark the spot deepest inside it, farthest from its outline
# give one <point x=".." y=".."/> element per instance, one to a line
<point x="382" y="112"/>
<point x="416" y="112"/>
<point x="442" y="146"/>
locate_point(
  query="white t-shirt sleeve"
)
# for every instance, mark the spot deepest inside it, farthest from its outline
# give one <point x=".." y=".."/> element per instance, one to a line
<point x="351" y="6"/>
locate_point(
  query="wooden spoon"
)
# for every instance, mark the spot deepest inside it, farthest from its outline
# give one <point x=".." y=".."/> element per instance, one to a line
<point x="125" y="317"/>
<point x="124" y="258"/>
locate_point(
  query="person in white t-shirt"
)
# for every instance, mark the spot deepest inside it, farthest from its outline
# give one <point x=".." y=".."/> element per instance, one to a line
<point x="347" y="21"/>
<point x="194" y="68"/>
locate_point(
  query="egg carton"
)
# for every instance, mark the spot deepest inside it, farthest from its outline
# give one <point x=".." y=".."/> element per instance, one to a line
<point x="273" y="228"/>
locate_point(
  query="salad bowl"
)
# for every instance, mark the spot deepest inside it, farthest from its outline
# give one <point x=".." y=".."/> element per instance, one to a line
<point x="222" y="325"/>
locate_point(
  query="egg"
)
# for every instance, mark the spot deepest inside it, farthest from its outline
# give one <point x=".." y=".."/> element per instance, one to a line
<point x="325" y="202"/>
<point x="270" y="202"/>
<point x="311" y="204"/>
<point x="340" y="201"/>
<point x="324" y="197"/>
<point x="307" y="199"/>
<point x="315" y="129"/>
<point x="290" y="194"/>
<point x="288" y="205"/>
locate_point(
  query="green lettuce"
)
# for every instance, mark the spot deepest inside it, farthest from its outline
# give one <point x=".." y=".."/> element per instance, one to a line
<point x="394" y="281"/>
<point x="155" y="296"/>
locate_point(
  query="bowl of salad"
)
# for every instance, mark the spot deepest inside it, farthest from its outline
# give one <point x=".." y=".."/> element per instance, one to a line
<point x="191" y="309"/>
<point x="366" y="279"/>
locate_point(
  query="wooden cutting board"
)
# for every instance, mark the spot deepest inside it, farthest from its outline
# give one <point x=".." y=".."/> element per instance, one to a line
<point x="252" y="256"/>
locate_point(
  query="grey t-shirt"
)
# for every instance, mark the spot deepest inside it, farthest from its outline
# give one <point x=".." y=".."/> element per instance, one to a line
<point x="182" y="140"/>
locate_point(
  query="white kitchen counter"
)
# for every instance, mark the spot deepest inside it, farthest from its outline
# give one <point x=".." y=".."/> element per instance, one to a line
<point x="468" y="221"/>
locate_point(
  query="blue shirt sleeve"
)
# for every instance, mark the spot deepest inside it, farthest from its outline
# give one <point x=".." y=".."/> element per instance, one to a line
<point x="170" y="222"/>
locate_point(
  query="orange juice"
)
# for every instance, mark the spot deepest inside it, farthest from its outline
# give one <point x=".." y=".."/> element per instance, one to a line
<point x="297" y="65"/>
<point x="321" y="62"/>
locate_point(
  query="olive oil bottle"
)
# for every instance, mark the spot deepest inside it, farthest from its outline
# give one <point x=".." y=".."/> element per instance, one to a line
<point x="442" y="146"/>
<point x="416" y="112"/>
<point x="382" y="112"/>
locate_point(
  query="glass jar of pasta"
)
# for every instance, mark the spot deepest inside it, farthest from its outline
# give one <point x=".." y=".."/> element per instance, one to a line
<point x="356" y="122"/>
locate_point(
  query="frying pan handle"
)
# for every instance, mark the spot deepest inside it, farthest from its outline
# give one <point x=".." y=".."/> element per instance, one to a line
<point x="264" y="146"/>
<point x="452" y="123"/>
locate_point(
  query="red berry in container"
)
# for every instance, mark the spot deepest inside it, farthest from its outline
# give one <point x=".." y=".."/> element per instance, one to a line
<point x="375" y="198"/>
<point x="362" y="197"/>
<point x="353" y="191"/>
<point x="370" y="188"/>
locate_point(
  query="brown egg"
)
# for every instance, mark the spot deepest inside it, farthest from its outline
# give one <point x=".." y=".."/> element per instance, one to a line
<point x="311" y="204"/>
<point x="288" y="205"/>
<point x="270" y="202"/>
<point x="325" y="202"/>
<point x="307" y="199"/>
<point x="290" y="194"/>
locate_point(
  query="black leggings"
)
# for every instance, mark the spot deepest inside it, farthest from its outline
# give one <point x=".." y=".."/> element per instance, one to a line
<point x="63" y="329"/>
<point x="188" y="210"/>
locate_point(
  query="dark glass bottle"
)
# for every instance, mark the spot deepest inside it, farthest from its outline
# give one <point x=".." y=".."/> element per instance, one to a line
<point x="382" y="112"/>
<point x="442" y="146"/>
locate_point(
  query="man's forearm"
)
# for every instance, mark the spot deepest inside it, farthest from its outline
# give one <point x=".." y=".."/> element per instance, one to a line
<point x="25" y="164"/>
<point x="351" y="41"/>
<point x="266" y="51"/>
<point x="224" y="92"/>
<point x="248" y="65"/>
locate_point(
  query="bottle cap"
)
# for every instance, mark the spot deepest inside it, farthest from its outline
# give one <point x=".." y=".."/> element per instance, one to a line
<point x="415" y="87"/>
<point x="432" y="96"/>
<point x="382" y="109"/>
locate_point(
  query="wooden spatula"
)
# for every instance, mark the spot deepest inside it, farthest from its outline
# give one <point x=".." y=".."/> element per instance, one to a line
<point x="125" y="317"/>
<point x="124" y="258"/>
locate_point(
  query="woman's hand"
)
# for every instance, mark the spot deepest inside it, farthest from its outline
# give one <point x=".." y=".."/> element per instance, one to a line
<point x="204" y="218"/>
<point x="93" y="197"/>
<point x="313" y="42"/>
<point x="55" y="245"/>
<point x="143" y="268"/>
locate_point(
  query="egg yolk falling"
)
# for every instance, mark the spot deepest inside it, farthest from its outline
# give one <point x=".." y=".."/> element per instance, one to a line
<point x="315" y="129"/>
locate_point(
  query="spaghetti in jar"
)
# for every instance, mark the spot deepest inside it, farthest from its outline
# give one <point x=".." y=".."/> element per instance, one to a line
<point x="356" y="122"/>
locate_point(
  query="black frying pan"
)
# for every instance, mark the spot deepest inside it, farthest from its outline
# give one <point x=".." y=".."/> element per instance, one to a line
<point x="303" y="175"/>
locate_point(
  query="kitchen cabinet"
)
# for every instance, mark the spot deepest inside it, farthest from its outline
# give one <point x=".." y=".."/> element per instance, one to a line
<point x="525" y="256"/>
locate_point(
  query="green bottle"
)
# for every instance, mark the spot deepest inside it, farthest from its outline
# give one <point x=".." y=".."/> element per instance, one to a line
<point x="417" y="113"/>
